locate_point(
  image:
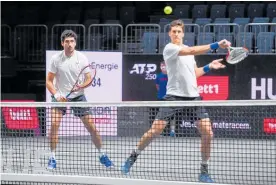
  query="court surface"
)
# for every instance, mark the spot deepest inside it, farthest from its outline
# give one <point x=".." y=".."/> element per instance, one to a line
<point x="233" y="161"/>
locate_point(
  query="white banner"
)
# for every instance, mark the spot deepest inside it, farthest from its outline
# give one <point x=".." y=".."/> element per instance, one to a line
<point x="107" y="87"/>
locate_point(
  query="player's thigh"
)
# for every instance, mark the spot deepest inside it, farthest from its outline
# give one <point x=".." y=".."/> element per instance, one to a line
<point x="203" y="121"/>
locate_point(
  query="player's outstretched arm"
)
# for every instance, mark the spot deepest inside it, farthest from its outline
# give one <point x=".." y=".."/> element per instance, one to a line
<point x="198" y="50"/>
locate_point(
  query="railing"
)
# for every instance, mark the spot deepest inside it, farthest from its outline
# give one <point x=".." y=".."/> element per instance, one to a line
<point x="105" y="37"/>
<point x="28" y="42"/>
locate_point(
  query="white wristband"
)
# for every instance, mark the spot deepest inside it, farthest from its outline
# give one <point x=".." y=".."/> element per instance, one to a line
<point x="57" y="95"/>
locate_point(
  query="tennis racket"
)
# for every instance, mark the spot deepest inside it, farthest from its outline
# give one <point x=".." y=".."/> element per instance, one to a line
<point x="236" y="54"/>
<point x="81" y="79"/>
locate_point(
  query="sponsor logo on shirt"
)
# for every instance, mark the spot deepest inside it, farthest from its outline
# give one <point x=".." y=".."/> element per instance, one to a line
<point x="213" y="87"/>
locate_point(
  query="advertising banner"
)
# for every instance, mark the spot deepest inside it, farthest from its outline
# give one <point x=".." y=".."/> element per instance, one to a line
<point x="107" y="87"/>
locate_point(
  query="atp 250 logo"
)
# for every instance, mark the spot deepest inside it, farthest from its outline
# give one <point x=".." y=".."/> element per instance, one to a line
<point x="213" y="87"/>
<point x="147" y="70"/>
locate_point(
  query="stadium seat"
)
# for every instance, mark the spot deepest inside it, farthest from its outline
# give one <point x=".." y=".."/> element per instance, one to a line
<point x="95" y="42"/>
<point x="236" y="11"/>
<point x="187" y="27"/>
<point x="92" y="13"/>
<point x="273" y="27"/>
<point x="218" y="11"/>
<point x="88" y="22"/>
<point x="182" y="11"/>
<point x="127" y="15"/>
<point x="266" y="42"/>
<point x="255" y="10"/>
<point x="227" y="36"/>
<point x="149" y="42"/>
<point x="271" y="10"/>
<point x="245" y="39"/>
<point x="205" y="38"/>
<point x="163" y="40"/>
<point x="222" y="28"/>
<point x="189" y="39"/>
<point x="259" y="28"/>
<point x="199" y="11"/>
<point x="163" y="24"/>
<point x="202" y="22"/>
<point x="241" y="22"/>
<point x="109" y="13"/>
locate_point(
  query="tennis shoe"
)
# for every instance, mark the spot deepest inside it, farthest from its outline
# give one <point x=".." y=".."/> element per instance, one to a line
<point x="52" y="164"/>
<point x="104" y="159"/>
<point x="205" y="177"/>
<point x="125" y="168"/>
<point x="172" y="133"/>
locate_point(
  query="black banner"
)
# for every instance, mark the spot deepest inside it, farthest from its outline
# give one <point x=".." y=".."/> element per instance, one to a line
<point x="253" y="78"/>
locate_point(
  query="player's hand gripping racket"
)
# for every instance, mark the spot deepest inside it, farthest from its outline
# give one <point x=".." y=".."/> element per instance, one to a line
<point x="82" y="82"/>
<point x="236" y="54"/>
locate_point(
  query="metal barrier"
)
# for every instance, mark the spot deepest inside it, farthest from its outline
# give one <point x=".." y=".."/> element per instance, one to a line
<point x="105" y="37"/>
<point x="220" y="31"/>
<point x="142" y="38"/>
<point x="57" y="30"/>
<point x="6" y="42"/>
<point x="30" y="43"/>
<point x="190" y="36"/>
<point x="259" y="38"/>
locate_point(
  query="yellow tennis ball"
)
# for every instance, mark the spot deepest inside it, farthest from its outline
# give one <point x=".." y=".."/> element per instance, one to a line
<point x="168" y="10"/>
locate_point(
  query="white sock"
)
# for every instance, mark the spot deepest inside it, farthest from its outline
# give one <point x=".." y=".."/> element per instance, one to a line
<point x="53" y="154"/>
<point x="204" y="160"/>
<point x="101" y="152"/>
<point x="137" y="151"/>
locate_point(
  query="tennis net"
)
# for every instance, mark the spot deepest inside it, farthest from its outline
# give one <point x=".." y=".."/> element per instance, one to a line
<point x="243" y="147"/>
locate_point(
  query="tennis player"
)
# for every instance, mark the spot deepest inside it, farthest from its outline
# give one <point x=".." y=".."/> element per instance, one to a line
<point x="65" y="67"/>
<point x="161" y="87"/>
<point x="182" y="74"/>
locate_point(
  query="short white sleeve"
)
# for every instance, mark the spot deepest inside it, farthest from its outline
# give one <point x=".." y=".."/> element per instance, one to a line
<point x="53" y="67"/>
<point x="171" y="51"/>
<point x="85" y="63"/>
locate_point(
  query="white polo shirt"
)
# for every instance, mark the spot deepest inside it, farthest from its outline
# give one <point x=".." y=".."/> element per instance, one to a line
<point x="181" y="72"/>
<point x="67" y="70"/>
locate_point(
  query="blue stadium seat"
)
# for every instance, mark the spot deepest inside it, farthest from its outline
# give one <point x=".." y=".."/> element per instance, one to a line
<point x="260" y="28"/>
<point x="188" y="28"/>
<point x="189" y="39"/>
<point x="255" y="10"/>
<point x="149" y="42"/>
<point x="241" y="22"/>
<point x="182" y="11"/>
<point x="222" y="28"/>
<point x="203" y="21"/>
<point x="227" y="36"/>
<point x="245" y="39"/>
<point x="266" y="42"/>
<point x="205" y="38"/>
<point x="218" y="11"/>
<point x="273" y="27"/>
<point x="163" y="40"/>
<point x="271" y="10"/>
<point x="199" y="11"/>
<point x="163" y="22"/>
<point x="236" y="10"/>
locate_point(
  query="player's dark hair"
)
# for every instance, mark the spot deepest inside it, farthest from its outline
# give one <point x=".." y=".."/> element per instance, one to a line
<point x="162" y="62"/>
<point x="68" y="33"/>
<point x="177" y="22"/>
